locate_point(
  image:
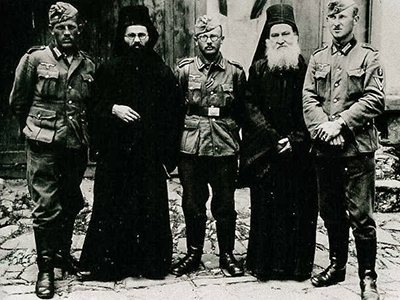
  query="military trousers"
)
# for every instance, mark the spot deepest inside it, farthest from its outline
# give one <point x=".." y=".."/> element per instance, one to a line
<point x="54" y="175"/>
<point x="197" y="173"/>
<point x="346" y="192"/>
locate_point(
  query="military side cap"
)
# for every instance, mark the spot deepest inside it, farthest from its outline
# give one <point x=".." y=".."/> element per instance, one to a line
<point x="204" y="24"/>
<point x="337" y="6"/>
<point x="60" y="12"/>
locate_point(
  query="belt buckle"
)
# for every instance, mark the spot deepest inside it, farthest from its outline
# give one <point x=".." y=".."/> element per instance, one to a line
<point x="213" y="111"/>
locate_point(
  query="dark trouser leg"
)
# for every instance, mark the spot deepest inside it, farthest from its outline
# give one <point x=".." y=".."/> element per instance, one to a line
<point x="222" y="179"/>
<point x="361" y="197"/>
<point x="194" y="181"/>
<point x="42" y="176"/>
<point x="72" y="171"/>
<point x="332" y="205"/>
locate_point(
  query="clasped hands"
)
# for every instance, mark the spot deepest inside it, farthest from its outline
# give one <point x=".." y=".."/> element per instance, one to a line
<point x="329" y="132"/>
<point x="125" y="113"/>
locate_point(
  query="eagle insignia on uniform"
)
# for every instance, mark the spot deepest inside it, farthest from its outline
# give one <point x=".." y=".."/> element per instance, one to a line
<point x="379" y="78"/>
<point x="321" y="67"/>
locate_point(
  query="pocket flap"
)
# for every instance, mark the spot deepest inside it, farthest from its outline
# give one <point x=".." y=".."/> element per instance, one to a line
<point x="44" y="72"/>
<point x="356" y="72"/>
<point x="321" y="74"/>
<point x="227" y="87"/>
<point x="41" y="113"/>
<point x="194" y="85"/>
<point x="87" y="77"/>
<point x="191" y="124"/>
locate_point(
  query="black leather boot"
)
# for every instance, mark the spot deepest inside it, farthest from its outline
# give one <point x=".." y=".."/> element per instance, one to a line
<point x="63" y="258"/>
<point x="45" y="259"/>
<point x="369" y="290"/>
<point x="189" y="263"/>
<point x="366" y="256"/>
<point x="229" y="264"/>
<point x="226" y="241"/>
<point x="338" y="254"/>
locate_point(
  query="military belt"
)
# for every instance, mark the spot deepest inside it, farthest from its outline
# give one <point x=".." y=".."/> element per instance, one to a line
<point x="209" y="111"/>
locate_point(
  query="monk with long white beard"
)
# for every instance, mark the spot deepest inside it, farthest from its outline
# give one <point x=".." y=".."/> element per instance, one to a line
<point x="283" y="54"/>
<point x="275" y="160"/>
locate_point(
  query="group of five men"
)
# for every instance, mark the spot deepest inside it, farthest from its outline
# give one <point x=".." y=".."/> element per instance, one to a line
<point x="141" y="121"/>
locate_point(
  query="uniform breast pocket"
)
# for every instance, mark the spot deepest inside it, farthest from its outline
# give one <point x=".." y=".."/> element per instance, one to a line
<point x="41" y="124"/>
<point x="321" y="78"/>
<point x="194" y="89"/>
<point x="227" y="93"/>
<point x="87" y="85"/>
<point x="356" y="79"/>
<point x="48" y="78"/>
<point x="190" y="136"/>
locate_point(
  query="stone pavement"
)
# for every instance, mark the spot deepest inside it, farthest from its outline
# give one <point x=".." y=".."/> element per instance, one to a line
<point x="18" y="270"/>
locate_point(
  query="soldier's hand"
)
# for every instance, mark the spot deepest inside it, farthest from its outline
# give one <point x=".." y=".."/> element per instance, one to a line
<point x="328" y="130"/>
<point x="125" y="113"/>
<point x="337" y="141"/>
<point x="284" y="146"/>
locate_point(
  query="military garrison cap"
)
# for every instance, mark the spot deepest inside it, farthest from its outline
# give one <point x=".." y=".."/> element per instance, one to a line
<point x="204" y="24"/>
<point x="60" y="12"/>
<point x="337" y="6"/>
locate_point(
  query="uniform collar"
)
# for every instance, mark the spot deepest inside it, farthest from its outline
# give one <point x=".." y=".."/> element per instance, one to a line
<point x="345" y="49"/>
<point x="219" y="62"/>
<point x="57" y="52"/>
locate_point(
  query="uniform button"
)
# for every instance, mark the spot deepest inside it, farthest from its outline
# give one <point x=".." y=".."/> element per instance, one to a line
<point x="70" y="87"/>
<point x="335" y="100"/>
<point x="38" y="115"/>
<point x="336" y="84"/>
<point x="213" y="119"/>
<point x="339" y="69"/>
<point x="69" y="102"/>
<point x="70" y="117"/>
<point x="212" y="93"/>
<point x="340" y="54"/>
<point x="47" y="76"/>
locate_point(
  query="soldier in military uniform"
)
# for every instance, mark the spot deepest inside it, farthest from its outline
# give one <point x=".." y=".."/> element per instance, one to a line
<point x="51" y="91"/>
<point x="214" y="88"/>
<point x="343" y="93"/>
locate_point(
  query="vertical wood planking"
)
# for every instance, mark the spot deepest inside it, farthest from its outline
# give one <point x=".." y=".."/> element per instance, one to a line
<point x="169" y="38"/>
<point x="183" y="16"/>
<point x="157" y="11"/>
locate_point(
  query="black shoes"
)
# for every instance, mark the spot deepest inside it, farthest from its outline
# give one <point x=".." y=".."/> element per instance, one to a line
<point x="45" y="285"/>
<point x="368" y="289"/>
<point x="229" y="264"/>
<point x="190" y="263"/>
<point x="330" y="276"/>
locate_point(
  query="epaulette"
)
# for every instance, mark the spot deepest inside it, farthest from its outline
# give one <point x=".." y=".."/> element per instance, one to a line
<point x="185" y="61"/>
<point x="320" y="49"/>
<point x="235" y="63"/>
<point x="86" y="55"/>
<point x="368" y="46"/>
<point x="35" y="48"/>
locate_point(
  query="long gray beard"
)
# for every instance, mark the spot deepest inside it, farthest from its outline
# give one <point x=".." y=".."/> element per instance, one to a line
<point x="284" y="58"/>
